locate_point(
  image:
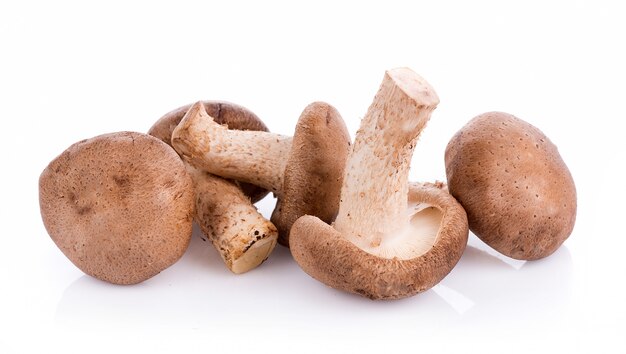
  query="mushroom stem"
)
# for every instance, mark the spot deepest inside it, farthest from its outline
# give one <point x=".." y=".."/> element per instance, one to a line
<point x="254" y="157"/>
<point x="376" y="175"/>
<point x="243" y="238"/>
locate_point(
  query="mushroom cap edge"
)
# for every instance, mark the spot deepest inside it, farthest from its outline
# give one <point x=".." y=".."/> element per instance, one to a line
<point x="325" y="255"/>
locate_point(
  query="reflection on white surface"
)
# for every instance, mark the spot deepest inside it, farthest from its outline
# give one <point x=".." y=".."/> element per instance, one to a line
<point x="514" y="289"/>
<point x="457" y="300"/>
<point x="200" y="292"/>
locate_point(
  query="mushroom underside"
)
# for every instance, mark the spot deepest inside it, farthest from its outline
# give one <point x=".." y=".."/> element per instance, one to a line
<point x="330" y="257"/>
<point x="411" y="240"/>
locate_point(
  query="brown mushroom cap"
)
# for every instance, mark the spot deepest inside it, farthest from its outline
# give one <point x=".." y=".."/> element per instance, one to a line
<point x="119" y="206"/>
<point x="234" y="116"/>
<point x="519" y="195"/>
<point x="329" y="257"/>
<point x="314" y="170"/>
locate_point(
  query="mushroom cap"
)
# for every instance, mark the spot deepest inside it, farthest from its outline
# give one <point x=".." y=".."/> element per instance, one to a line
<point x="323" y="253"/>
<point x="519" y="195"/>
<point x="234" y="116"/>
<point x="314" y="170"/>
<point x="119" y="206"/>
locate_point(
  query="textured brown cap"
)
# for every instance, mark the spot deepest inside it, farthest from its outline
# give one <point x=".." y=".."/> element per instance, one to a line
<point x="314" y="170"/>
<point x="119" y="206"/>
<point x="327" y="256"/>
<point x="519" y="195"/>
<point x="234" y="116"/>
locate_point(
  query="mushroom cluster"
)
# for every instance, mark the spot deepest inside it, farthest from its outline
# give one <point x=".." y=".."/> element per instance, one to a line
<point x="120" y="206"/>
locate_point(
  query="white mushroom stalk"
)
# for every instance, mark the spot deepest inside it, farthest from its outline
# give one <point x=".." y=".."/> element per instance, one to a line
<point x="305" y="172"/>
<point x="241" y="235"/>
<point x="391" y="239"/>
<point x="374" y="210"/>
<point x="225" y="214"/>
<point x="254" y="157"/>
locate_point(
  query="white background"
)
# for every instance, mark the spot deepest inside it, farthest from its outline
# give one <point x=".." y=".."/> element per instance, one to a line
<point x="72" y="70"/>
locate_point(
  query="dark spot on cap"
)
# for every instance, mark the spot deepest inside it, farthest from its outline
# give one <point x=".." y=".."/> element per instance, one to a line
<point x="83" y="210"/>
<point x="121" y="180"/>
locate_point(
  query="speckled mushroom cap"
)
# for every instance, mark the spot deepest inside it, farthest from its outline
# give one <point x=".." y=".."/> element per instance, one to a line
<point x="519" y="195"/>
<point x="314" y="170"/>
<point x="234" y="116"/>
<point x="119" y="206"/>
<point x="329" y="257"/>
